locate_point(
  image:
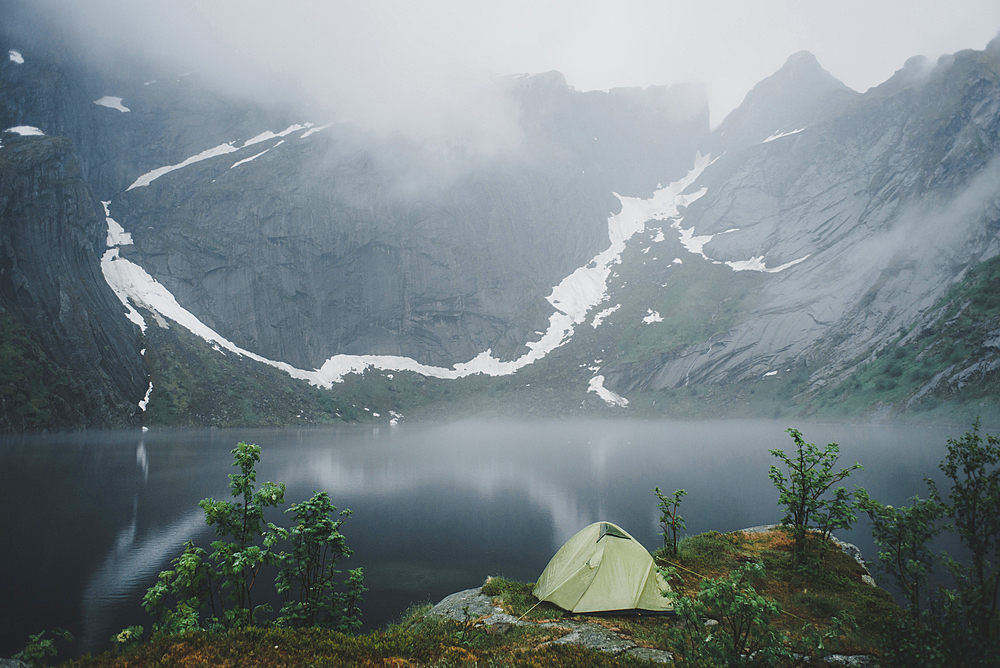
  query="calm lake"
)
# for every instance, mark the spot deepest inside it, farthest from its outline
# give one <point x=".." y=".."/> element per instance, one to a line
<point x="89" y="519"/>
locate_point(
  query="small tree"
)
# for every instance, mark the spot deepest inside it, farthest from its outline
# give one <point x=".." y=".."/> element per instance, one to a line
<point x="187" y="586"/>
<point x="973" y="506"/>
<point x="671" y="522"/>
<point x="903" y="536"/>
<point x="309" y="572"/>
<point x="810" y="476"/>
<point x="248" y="540"/>
<point x="219" y="585"/>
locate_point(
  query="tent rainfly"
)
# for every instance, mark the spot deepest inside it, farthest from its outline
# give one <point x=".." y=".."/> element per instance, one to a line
<point x="602" y="568"/>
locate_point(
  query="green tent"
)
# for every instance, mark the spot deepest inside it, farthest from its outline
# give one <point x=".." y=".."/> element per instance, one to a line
<point x="603" y="568"/>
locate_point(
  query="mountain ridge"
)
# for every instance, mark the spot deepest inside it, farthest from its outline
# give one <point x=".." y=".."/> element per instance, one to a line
<point x="803" y="227"/>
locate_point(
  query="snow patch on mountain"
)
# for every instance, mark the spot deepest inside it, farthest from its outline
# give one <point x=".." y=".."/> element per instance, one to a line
<point x="779" y="134"/>
<point x="314" y="130"/>
<point x="692" y="243"/>
<point x="573" y="298"/>
<point x="610" y="397"/>
<point x="145" y="400"/>
<point x="112" y="103"/>
<point x="599" y="318"/>
<point x="117" y="236"/>
<point x="26" y="131"/>
<point x="15" y="57"/>
<point x="149" y="177"/>
<point x="252" y="157"/>
<point x="654" y="316"/>
<point x="264" y="136"/>
<point x="757" y="264"/>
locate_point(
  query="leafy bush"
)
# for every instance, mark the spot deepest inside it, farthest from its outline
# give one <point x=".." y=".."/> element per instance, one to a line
<point x="308" y="574"/>
<point x="810" y="476"/>
<point x="215" y="591"/>
<point x="973" y="507"/>
<point x="960" y="626"/>
<point x="40" y="649"/>
<point x="904" y="536"/>
<point x="670" y="520"/>
<point x="745" y="634"/>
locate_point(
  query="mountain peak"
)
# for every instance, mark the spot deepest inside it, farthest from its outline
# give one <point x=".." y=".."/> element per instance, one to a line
<point x="802" y="57"/>
<point x="797" y="95"/>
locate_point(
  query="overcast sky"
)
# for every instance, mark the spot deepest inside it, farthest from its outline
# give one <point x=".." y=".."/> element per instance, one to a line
<point x="372" y="52"/>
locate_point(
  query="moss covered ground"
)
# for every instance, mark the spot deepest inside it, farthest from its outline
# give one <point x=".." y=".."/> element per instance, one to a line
<point x="828" y="584"/>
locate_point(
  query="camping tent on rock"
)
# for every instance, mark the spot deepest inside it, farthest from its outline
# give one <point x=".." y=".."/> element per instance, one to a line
<point x="602" y="568"/>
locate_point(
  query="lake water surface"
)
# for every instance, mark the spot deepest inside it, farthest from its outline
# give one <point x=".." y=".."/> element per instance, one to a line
<point x="89" y="519"/>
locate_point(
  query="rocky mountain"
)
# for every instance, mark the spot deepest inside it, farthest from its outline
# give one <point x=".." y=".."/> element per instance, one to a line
<point x="614" y="251"/>
<point x="863" y="215"/>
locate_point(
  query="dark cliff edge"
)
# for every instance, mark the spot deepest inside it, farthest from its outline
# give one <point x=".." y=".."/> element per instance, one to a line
<point x="70" y="357"/>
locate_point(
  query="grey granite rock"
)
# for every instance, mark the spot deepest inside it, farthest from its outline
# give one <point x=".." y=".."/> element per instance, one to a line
<point x="465" y="606"/>
<point x="654" y="655"/>
<point x="13" y="663"/>
<point x="592" y="636"/>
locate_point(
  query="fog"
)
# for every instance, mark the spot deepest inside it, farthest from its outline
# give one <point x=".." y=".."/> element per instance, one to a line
<point x="427" y="69"/>
<point x="437" y="507"/>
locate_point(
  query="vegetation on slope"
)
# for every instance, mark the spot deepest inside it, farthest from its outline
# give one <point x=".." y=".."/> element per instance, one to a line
<point x="36" y="392"/>
<point x="941" y="368"/>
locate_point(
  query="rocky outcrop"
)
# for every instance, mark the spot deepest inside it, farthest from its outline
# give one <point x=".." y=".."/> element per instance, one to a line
<point x="472" y="606"/>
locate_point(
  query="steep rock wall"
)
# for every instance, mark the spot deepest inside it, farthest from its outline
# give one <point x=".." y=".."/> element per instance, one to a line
<point x="52" y="233"/>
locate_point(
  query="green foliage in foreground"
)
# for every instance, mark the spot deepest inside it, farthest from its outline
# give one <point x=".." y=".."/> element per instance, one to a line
<point x="903" y="536"/>
<point x="670" y="520"/>
<point x="215" y="591"/>
<point x="414" y="644"/>
<point x="745" y="634"/>
<point x="40" y="648"/>
<point x="957" y="625"/>
<point x="810" y="476"/>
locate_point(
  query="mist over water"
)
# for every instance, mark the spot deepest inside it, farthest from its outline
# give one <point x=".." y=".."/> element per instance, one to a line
<point x="436" y="507"/>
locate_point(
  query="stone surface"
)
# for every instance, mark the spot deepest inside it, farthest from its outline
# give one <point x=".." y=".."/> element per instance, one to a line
<point x="464" y="606"/>
<point x="472" y="605"/>
<point x="52" y="236"/>
<point x="889" y="199"/>
<point x="654" y="655"/>
<point x="13" y="663"/>
<point x="592" y="636"/>
<point x="346" y="242"/>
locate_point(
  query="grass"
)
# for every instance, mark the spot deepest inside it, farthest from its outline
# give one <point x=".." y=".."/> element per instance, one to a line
<point x="829" y="584"/>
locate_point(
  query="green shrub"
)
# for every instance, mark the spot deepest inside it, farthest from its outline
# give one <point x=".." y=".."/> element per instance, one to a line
<point x="670" y="520"/>
<point x="40" y="649"/>
<point x="211" y="591"/>
<point x="810" y="476"/>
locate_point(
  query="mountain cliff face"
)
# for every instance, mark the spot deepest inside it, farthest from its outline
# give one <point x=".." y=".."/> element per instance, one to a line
<point x="882" y="202"/>
<point x="51" y="234"/>
<point x="814" y="230"/>
<point x="337" y="242"/>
